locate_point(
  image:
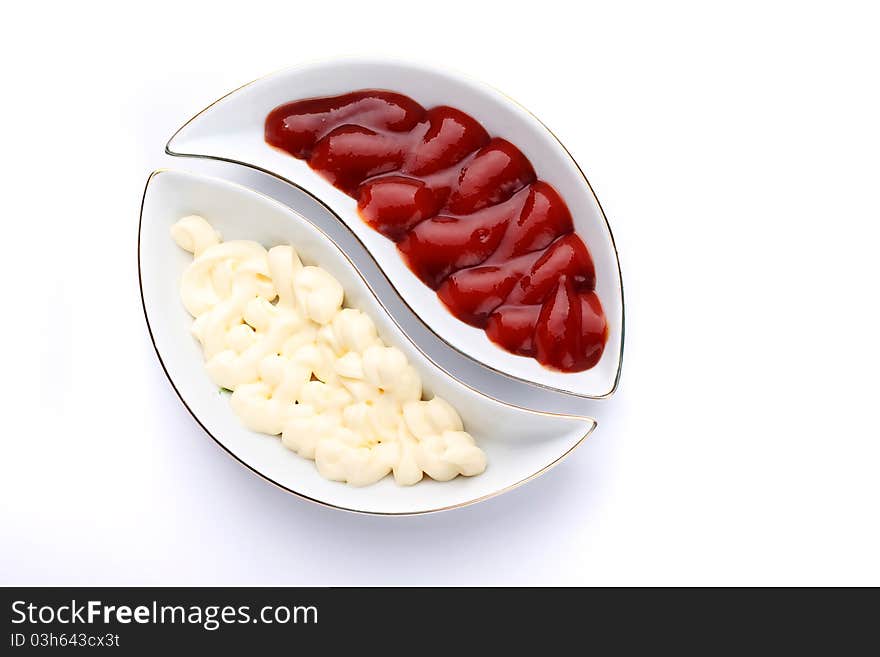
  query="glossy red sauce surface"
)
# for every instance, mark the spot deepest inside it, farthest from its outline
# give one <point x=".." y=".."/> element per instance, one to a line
<point x="467" y="213"/>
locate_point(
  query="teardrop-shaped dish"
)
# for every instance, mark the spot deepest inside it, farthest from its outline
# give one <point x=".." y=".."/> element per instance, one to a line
<point x="232" y="129"/>
<point x="520" y="444"/>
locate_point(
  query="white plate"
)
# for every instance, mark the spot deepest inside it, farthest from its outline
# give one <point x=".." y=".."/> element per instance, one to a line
<point x="232" y="129"/>
<point x="520" y="444"/>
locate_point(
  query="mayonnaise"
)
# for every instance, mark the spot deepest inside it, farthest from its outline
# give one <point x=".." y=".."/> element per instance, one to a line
<point x="302" y="366"/>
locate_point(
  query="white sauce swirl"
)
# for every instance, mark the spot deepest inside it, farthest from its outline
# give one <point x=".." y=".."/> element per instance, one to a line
<point x="302" y="366"/>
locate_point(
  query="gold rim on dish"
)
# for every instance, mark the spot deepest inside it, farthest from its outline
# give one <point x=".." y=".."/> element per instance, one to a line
<point x="315" y="197"/>
<point x="517" y="484"/>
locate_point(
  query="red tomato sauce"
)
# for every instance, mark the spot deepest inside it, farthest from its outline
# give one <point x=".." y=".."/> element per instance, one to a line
<point x="467" y="212"/>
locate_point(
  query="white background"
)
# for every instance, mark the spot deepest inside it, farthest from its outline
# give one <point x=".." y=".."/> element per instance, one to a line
<point x="737" y="154"/>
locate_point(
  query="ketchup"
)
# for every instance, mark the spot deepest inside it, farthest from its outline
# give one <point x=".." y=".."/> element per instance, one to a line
<point x="467" y="212"/>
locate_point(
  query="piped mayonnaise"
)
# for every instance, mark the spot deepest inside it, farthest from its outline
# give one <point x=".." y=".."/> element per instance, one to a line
<point x="302" y="366"/>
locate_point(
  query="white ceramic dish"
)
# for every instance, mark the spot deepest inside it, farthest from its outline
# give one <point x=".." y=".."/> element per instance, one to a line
<point x="232" y="129"/>
<point x="520" y="444"/>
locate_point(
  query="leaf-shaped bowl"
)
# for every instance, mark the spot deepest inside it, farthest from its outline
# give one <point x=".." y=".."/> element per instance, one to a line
<point x="520" y="444"/>
<point x="232" y="129"/>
